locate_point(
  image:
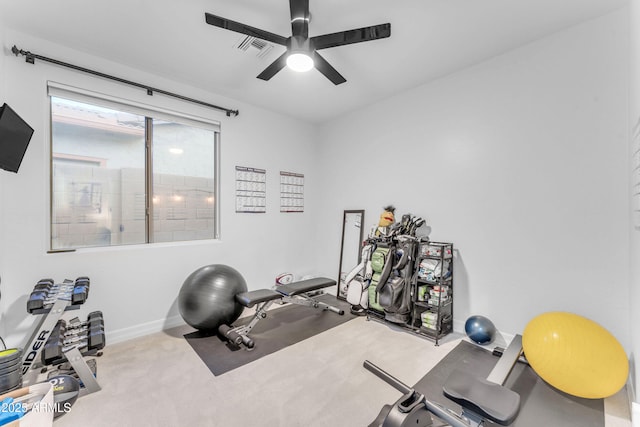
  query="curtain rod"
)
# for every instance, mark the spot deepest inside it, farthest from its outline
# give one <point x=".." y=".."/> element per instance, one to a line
<point x="31" y="57"/>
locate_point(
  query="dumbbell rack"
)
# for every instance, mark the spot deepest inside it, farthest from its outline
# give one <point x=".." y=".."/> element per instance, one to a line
<point x="32" y="365"/>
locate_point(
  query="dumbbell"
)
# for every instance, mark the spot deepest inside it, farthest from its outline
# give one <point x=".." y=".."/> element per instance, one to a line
<point x="79" y="333"/>
<point x="74" y="327"/>
<point x="83" y="280"/>
<point x="94" y="327"/>
<point x="48" y="285"/>
<point x="80" y="290"/>
<point x="53" y="351"/>
<point x="93" y="340"/>
<point x="67" y="332"/>
<point x="44" y="284"/>
<point x="77" y="292"/>
<point x="39" y="295"/>
<point x="93" y="319"/>
<point x="46" y="292"/>
<point x="36" y="301"/>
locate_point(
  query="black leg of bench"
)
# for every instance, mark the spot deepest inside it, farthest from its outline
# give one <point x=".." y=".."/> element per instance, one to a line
<point x="239" y="335"/>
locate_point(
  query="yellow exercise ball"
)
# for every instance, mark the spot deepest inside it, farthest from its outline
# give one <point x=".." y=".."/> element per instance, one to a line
<point x="575" y="355"/>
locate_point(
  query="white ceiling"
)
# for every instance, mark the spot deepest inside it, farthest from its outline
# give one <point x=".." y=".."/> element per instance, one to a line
<point x="429" y="39"/>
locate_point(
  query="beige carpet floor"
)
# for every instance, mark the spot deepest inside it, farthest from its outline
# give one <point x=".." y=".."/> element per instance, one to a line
<point x="158" y="380"/>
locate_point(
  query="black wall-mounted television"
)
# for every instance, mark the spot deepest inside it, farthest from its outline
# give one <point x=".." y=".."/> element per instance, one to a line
<point x="15" y="135"/>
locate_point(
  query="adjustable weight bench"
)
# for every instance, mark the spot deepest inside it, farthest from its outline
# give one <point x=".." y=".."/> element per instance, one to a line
<point x="294" y="293"/>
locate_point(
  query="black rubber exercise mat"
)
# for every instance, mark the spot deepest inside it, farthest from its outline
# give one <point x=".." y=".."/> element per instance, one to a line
<point x="540" y="404"/>
<point x="281" y="328"/>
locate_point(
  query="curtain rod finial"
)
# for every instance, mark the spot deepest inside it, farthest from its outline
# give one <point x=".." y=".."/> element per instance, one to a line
<point x="29" y="57"/>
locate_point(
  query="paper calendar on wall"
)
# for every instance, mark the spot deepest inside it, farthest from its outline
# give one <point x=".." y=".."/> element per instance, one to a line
<point x="291" y="192"/>
<point x="251" y="190"/>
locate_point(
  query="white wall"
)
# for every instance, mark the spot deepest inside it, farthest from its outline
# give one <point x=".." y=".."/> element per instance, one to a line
<point x="520" y="161"/>
<point x="2" y="173"/>
<point x="136" y="287"/>
<point x="634" y="120"/>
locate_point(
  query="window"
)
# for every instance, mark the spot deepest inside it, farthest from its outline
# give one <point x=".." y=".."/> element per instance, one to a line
<point x="123" y="174"/>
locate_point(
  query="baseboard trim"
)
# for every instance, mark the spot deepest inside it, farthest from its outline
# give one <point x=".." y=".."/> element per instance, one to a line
<point x="502" y="339"/>
<point x="126" y="334"/>
<point x="458" y="326"/>
<point x="635" y="414"/>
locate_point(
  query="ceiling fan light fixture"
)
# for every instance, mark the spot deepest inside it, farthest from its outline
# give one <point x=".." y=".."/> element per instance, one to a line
<point x="300" y="62"/>
<point x="302" y="50"/>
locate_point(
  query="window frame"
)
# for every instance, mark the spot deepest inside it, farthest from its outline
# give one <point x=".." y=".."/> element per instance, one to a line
<point x="150" y="112"/>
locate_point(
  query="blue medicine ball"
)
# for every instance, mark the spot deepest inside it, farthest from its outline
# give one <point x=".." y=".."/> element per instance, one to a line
<point x="479" y="329"/>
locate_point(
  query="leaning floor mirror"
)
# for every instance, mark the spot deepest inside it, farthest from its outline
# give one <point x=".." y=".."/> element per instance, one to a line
<point x="350" y="246"/>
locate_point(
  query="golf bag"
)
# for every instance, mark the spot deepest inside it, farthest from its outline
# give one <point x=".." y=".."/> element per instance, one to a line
<point x="394" y="295"/>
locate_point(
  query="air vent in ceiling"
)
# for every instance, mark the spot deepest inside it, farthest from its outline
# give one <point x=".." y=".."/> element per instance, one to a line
<point x="251" y="44"/>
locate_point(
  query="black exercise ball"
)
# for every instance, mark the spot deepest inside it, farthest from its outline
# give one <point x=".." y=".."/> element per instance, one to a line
<point x="207" y="297"/>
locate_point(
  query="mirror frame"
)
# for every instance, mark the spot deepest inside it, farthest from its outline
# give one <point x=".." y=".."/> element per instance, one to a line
<point x="344" y="219"/>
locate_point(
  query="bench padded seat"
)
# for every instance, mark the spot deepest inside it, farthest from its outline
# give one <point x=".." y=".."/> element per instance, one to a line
<point x="303" y="286"/>
<point x="490" y="400"/>
<point x="251" y="298"/>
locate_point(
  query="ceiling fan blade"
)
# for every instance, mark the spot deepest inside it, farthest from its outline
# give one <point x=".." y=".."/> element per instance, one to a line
<point x="373" y="32"/>
<point x="275" y="66"/>
<point x="228" y="24"/>
<point x="325" y="68"/>
<point x="299" y="17"/>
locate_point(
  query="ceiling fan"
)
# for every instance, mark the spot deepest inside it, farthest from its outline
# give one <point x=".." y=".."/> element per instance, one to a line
<point x="302" y="50"/>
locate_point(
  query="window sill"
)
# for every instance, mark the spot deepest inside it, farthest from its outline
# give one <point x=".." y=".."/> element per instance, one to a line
<point x="136" y="247"/>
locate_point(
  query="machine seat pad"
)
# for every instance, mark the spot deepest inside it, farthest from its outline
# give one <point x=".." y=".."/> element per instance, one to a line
<point x="490" y="400"/>
<point x="303" y="286"/>
<point x="251" y="298"/>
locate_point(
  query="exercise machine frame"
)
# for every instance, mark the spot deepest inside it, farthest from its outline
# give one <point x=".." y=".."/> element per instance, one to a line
<point x="480" y="399"/>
